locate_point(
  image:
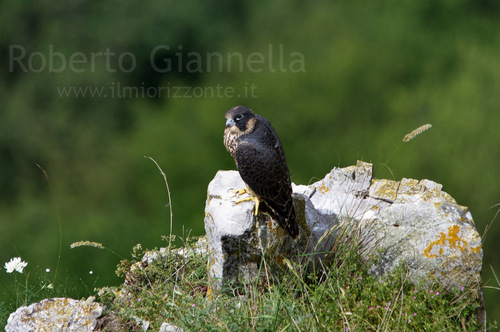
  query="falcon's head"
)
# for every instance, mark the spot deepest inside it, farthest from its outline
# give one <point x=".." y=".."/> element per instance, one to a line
<point x="240" y="121"/>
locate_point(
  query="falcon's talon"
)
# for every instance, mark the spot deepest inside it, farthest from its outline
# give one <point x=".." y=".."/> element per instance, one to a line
<point x="239" y="192"/>
<point x="252" y="198"/>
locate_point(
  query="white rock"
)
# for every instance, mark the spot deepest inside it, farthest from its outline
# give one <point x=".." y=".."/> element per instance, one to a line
<point x="406" y="222"/>
<point x="57" y="314"/>
<point x="144" y="324"/>
<point x="166" y="327"/>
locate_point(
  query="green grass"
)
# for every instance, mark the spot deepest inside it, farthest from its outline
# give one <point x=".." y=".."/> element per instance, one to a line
<point x="337" y="294"/>
<point x="340" y="296"/>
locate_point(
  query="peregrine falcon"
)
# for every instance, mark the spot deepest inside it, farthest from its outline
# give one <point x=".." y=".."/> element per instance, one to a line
<point x="256" y="149"/>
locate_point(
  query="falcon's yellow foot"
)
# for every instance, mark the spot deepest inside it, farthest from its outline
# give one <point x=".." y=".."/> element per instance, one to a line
<point x="251" y="198"/>
<point x="239" y="192"/>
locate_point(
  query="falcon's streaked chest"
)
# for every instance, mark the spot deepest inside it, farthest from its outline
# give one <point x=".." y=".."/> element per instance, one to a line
<point x="230" y="142"/>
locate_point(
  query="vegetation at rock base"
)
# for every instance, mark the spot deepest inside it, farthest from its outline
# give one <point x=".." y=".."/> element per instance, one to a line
<point x="343" y="297"/>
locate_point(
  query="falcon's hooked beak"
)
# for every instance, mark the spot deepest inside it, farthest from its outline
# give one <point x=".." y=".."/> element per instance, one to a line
<point x="230" y="123"/>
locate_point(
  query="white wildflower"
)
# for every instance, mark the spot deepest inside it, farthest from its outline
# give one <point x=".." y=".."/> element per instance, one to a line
<point x="15" y="264"/>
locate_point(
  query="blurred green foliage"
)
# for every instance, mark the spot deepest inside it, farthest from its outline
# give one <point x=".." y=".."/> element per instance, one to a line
<point x="373" y="71"/>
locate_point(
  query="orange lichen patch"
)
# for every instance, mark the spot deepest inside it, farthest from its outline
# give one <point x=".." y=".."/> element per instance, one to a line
<point x="477" y="249"/>
<point x="209" y="293"/>
<point x="323" y="189"/>
<point x="451" y="240"/>
<point x="271" y="225"/>
<point x="386" y="189"/>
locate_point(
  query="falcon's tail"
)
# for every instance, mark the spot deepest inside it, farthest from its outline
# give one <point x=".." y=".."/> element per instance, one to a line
<point x="287" y="223"/>
<point x="290" y="225"/>
<point x="293" y="229"/>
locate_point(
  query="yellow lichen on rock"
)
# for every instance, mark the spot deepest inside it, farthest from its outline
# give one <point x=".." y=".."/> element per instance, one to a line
<point x="323" y="189"/>
<point x="385" y="189"/>
<point x="477" y="249"/>
<point x="56" y="314"/>
<point x="451" y="240"/>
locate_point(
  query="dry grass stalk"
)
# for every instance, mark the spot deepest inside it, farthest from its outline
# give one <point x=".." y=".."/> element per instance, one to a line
<point x="416" y="132"/>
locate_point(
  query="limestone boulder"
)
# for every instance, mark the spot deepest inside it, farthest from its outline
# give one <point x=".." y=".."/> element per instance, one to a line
<point x="409" y="222"/>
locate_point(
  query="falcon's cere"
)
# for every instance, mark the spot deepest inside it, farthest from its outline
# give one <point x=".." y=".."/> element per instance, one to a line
<point x="256" y="149"/>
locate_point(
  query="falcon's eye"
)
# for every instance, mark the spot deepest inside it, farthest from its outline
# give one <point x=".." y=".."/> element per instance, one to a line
<point x="238" y="117"/>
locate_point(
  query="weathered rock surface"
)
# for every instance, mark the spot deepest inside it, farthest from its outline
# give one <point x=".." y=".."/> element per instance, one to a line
<point x="166" y="327"/>
<point x="407" y="222"/>
<point x="57" y="314"/>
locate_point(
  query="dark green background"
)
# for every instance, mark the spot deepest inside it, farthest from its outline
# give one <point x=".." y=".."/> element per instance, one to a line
<point x="373" y="71"/>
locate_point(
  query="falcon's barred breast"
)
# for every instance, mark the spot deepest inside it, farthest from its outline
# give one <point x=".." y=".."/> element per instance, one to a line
<point x="256" y="149"/>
